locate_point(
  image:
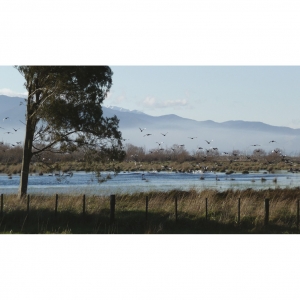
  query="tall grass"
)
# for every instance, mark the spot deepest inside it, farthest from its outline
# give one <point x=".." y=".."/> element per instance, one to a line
<point x="130" y="215"/>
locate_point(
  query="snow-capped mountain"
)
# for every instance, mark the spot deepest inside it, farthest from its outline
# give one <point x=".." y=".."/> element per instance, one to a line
<point x="117" y="108"/>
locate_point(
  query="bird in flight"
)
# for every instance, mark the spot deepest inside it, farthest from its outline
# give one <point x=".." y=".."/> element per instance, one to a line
<point x="200" y="148"/>
<point x="159" y="143"/>
<point x="194" y="137"/>
<point x="5" y="118"/>
<point x="147" y="134"/>
<point x="164" y="134"/>
<point x="272" y="141"/>
<point x="255" y="145"/>
<point x="16" y="129"/>
<point x="142" y="129"/>
<point x="208" y="142"/>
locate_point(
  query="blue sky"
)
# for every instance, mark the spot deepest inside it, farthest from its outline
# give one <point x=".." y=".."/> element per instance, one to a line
<point x="269" y="94"/>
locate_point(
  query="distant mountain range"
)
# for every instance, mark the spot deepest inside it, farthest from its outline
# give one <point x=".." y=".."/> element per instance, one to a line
<point x="226" y="136"/>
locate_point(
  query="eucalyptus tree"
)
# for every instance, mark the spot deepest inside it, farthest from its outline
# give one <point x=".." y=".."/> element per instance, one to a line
<point x="64" y="114"/>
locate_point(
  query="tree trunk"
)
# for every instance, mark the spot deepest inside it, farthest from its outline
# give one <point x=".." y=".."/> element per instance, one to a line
<point x="27" y="155"/>
<point x="31" y="121"/>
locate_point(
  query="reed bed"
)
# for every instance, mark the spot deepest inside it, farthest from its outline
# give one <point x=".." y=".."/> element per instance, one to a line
<point x="195" y="214"/>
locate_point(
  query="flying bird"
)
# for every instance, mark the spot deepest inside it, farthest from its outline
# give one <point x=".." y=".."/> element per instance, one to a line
<point x="16" y="129"/>
<point x="192" y="137"/>
<point x="255" y="145"/>
<point x="5" y="118"/>
<point x="272" y="141"/>
<point x="208" y="142"/>
<point x="142" y="129"/>
<point x="276" y="151"/>
<point x="164" y="134"/>
<point x="159" y="143"/>
<point x="147" y="134"/>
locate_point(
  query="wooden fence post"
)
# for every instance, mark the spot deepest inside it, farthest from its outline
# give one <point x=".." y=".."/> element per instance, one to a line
<point x="1" y="205"/>
<point x="267" y="207"/>
<point x="28" y="200"/>
<point x="147" y="200"/>
<point x="206" y="212"/>
<point x="83" y="205"/>
<point x="56" y="204"/>
<point x="176" y="215"/>
<point x="298" y="214"/>
<point x="112" y="207"/>
<point x="239" y="211"/>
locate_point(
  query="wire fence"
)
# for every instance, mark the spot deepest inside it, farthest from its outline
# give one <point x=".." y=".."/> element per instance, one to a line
<point x="176" y="211"/>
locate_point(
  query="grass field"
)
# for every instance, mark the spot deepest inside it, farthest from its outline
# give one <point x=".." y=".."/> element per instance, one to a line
<point x="193" y="216"/>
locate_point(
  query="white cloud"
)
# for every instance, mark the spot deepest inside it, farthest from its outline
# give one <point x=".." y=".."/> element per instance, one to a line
<point x="151" y="102"/>
<point x="10" y="93"/>
<point x="179" y="102"/>
<point x="115" y="100"/>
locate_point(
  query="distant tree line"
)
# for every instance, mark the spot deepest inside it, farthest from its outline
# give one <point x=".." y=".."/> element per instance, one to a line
<point x="13" y="155"/>
<point x="179" y="154"/>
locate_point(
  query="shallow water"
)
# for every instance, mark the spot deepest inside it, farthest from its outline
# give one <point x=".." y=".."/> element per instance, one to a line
<point x="87" y="183"/>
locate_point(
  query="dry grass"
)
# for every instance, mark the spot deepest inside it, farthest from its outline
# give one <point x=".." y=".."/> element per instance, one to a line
<point x="130" y="216"/>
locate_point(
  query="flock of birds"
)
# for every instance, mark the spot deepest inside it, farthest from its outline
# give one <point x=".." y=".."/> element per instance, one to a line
<point x="9" y="132"/>
<point x="160" y="148"/>
<point x="235" y="154"/>
<point x="277" y="151"/>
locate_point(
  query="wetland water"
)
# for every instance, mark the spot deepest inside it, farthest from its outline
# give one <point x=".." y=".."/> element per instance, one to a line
<point x="87" y="183"/>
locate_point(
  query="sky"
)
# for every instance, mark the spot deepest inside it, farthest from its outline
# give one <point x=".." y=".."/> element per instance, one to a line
<point x="269" y="94"/>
